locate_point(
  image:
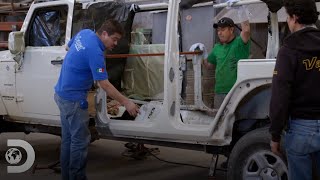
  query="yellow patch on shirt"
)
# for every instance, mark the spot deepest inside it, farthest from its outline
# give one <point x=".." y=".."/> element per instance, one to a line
<point x="311" y="64"/>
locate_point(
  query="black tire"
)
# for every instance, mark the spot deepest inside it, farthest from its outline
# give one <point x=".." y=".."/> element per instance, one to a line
<point x="251" y="158"/>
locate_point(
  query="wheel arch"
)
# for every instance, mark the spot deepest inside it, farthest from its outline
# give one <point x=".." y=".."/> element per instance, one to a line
<point x="252" y="112"/>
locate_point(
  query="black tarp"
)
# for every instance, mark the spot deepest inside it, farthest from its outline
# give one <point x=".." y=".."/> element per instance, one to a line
<point x="93" y="17"/>
<point x="120" y="12"/>
<point x="48" y="28"/>
<point x="274" y="5"/>
<point x="81" y="20"/>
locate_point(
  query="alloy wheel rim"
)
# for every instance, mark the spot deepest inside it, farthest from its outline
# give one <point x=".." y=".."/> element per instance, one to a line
<point x="264" y="165"/>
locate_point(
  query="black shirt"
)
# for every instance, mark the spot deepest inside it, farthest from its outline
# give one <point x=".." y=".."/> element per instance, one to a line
<point x="296" y="80"/>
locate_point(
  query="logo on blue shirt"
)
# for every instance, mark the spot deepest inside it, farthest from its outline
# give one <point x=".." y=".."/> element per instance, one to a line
<point x="78" y="45"/>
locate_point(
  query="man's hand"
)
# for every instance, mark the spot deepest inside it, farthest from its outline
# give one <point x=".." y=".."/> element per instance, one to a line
<point x="201" y="47"/>
<point x="275" y="147"/>
<point x="132" y="108"/>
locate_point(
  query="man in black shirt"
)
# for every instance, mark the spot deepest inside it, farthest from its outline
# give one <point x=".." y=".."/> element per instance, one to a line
<point x="295" y="100"/>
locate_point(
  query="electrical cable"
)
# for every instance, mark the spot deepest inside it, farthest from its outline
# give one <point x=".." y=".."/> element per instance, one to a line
<point x="146" y="151"/>
<point x="184" y="164"/>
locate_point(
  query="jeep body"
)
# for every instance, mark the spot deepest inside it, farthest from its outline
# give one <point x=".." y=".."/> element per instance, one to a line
<point x="29" y="72"/>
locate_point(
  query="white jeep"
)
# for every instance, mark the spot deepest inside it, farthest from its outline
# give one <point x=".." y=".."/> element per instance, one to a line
<point x="239" y="128"/>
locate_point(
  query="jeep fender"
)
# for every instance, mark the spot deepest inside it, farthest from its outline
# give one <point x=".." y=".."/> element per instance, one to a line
<point x="255" y="105"/>
<point x="242" y="102"/>
<point x="253" y="81"/>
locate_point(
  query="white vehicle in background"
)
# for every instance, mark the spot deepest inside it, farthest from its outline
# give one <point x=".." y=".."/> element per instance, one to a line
<point x="239" y="129"/>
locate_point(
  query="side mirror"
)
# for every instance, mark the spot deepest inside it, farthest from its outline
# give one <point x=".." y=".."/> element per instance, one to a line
<point x="16" y="42"/>
<point x="16" y="45"/>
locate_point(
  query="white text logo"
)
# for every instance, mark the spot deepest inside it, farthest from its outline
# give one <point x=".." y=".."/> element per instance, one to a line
<point x="14" y="156"/>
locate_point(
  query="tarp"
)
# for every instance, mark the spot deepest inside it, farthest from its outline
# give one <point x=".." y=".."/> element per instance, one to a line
<point x="123" y="13"/>
<point x="258" y="14"/>
<point x="143" y="76"/>
<point x="94" y="17"/>
<point x="47" y="29"/>
<point x="273" y="5"/>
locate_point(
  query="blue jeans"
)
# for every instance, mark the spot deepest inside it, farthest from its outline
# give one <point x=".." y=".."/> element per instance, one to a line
<point x="302" y="143"/>
<point x="75" y="139"/>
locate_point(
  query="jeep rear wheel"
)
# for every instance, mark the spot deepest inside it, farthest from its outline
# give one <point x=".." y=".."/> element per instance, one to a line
<point x="252" y="159"/>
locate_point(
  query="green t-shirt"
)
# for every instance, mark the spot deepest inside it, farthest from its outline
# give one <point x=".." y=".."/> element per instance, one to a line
<point x="226" y="57"/>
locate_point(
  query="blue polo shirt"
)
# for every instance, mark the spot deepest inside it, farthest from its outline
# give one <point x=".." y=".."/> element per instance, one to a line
<point x="83" y="64"/>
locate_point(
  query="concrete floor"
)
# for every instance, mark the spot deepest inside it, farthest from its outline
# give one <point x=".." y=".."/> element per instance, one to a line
<point x="106" y="162"/>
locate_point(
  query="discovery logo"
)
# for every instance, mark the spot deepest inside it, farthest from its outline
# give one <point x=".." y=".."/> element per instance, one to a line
<point x="14" y="155"/>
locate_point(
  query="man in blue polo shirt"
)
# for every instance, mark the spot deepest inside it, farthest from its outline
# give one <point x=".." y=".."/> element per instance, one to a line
<point x="83" y="64"/>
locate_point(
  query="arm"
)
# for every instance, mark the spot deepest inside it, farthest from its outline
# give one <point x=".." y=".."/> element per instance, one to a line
<point x="210" y="61"/>
<point x="245" y="33"/>
<point x="207" y="64"/>
<point x="115" y="94"/>
<point x="283" y="78"/>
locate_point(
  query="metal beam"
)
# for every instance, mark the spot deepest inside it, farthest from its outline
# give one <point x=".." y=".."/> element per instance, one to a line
<point x="155" y="6"/>
<point x="10" y="26"/>
<point x="239" y="3"/>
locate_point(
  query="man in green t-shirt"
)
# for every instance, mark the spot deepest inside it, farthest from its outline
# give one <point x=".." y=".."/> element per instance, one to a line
<point x="225" y="55"/>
